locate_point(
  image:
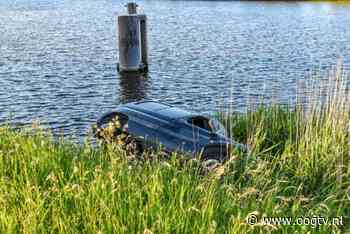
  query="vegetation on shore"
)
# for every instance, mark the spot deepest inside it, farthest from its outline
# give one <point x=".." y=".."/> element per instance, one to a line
<point x="299" y="166"/>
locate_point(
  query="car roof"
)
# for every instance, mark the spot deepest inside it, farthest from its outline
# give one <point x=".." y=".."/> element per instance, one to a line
<point x="158" y="109"/>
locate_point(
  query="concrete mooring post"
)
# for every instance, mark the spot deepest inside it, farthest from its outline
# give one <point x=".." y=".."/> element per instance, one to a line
<point x="132" y="41"/>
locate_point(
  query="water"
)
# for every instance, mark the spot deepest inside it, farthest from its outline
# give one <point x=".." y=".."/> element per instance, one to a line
<point x="58" y="58"/>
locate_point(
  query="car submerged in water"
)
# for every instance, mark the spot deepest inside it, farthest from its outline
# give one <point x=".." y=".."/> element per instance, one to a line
<point x="152" y="124"/>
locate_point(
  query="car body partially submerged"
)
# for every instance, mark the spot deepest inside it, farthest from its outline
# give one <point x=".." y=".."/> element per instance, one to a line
<point x="153" y="124"/>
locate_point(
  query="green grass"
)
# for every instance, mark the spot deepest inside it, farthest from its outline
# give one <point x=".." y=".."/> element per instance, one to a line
<point x="298" y="167"/>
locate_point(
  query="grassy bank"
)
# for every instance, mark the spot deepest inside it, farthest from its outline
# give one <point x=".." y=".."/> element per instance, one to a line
<point x="298" y="167"/>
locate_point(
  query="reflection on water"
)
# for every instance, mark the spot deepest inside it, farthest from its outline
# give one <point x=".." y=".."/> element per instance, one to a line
<point x="133" y="86"/>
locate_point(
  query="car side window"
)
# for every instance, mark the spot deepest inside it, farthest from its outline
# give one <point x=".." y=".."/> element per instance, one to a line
<point x="200" y="122"/>
<point x="217" y="127"/>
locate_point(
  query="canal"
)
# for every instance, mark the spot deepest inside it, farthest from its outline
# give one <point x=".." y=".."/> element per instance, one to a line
<point x="58" y="57"/>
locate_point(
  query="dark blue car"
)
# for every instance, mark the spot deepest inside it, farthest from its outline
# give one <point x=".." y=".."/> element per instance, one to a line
<point x="152" y="124"/>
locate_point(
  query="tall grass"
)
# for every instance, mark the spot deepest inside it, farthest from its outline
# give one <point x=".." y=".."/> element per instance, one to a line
<point x="298" y="166"/>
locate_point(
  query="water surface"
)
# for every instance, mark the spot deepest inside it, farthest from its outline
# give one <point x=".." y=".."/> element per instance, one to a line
<point x="58" y="58"/>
